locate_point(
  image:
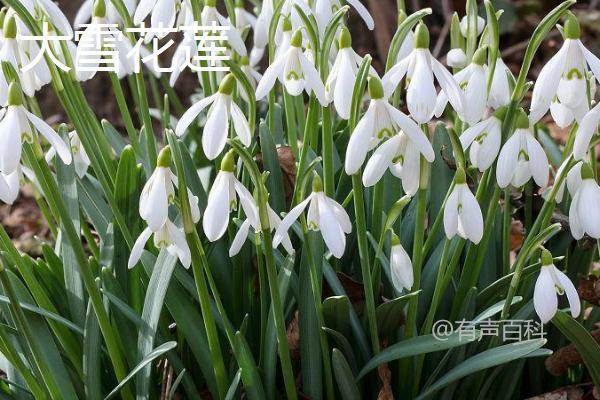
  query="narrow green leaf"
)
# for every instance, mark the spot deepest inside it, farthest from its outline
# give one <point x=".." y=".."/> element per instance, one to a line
<point x="271" y="163"/>
<point x="343" y="375"/>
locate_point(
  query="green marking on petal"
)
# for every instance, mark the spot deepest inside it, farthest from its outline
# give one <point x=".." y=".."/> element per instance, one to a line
<point x="574" y="72"/>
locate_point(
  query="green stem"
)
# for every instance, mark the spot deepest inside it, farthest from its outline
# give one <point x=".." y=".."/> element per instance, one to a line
<point x="506" y="222"/>
<point x="328" y="172"/>
<point x="124" y="108"/>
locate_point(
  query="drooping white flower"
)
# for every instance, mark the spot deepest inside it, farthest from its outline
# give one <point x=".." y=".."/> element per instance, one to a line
<point x="586" y="130"/>
<point x="81" y="161"/>
<point x="163" y="14"/>
<point x="464" y="25"/>
<point x="421" y="67"/>
<point x="499" y="95"/>
<point x="572" y="182"/>
<point x="15" y="127"/>
<point x="159" y="192"/>
<point x="564" y="76"/>
<point x="52" y="11"/>
<point x="9" y="186"/>
<point x="382" y="121"/>
<point x="400" y="266"/>
<point x="168" y="237"/>
<point x="222" y="199"/>
<point x="324" y="10"/>
<point x="473" y="81"/>
<point x="210" y="16"/>
<point x="483" y="141"/>
<point x="261" y="30"/>
<point x="340" y="82"/>
<point x="222" y="110"/>
<point x="324" y="215"/>
<point x="584" y="216"/>
<point x="521" y="158"/>
<point x="550" y="283"/>
<point x="456" y="58"/>
<point x="243" y="18"/>
<point x="462" y="214"/>
<point x="251" y="73"/>
<point x="84" y="14"/>
<point x="295" y="71"/>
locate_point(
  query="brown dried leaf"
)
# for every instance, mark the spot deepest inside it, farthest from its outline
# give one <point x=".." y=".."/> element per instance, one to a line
<point x="517" y="235"/>
<point x="385" y="376"/>
<point x="293" y="336"/>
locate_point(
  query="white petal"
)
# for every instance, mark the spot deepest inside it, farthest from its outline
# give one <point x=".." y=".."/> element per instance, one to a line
<point x="588" y="207"/>
<point x="456" y="58"/>
<point x="592" y="60"/>
<point x="470" y="217"/>
<point x="358" y="145"/>
<point x="240" y="124"/>
<point x="561" y="114"/>
<point x="143" y="10"/>
<point x="332" y="232"/>
<point x="342" y="94"/>
<point x="190" y="115"/>
<point x="545" y="301"/>
<point x="342" y="216"/>
<point x="62" y="149"/>
<point x="247" y="201"/>
<point x="179" y="244"/>
<point x="421" y="95"/>
<point x="575" y="223"/>
<point x="289" y="220"/>
<point x="163" y="15"/>
<point x="57" y="17"/>
<point x="380" y="161"/>
<point x="313" y="80"/>
<point x="239" y="239"/>
<point x="270" y="76"/>
<point x="84" y="14"/>
<point x="467" y="137"/>
<point x="10" y="142"/>
<point x="363" y="12"/>
<point x="488" y="150"/>
<point x="507" y="160"/>
<point x="393" y="77"/>
<point x="401" y="268"/>
<point x="138" y="248"/>
<point x="411" y="170"/>
<point x="216" y="215"/>
<point x="451" y="214"/>
<point x="157" y="204"/>
<point x="275" y="221"/>
<point x="587" y="129"/>
<point x="412" y="130"/>
<point x="538" y="161"/>
<point x="546" y="85"/>
<point x="216" y="130"/>
<point x="448" y="85"/>
<point x="571" y="292"/>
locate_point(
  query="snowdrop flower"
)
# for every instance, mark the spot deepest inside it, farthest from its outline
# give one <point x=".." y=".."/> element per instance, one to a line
<point x="243" y="18"/>
<point x="168" y="237"/>
<point x="421" y="68"/>
<point x="81" y="160"/>
<point x="499" y="95"/>
<point x="521" y="158"/>
<point x="564" y="76"/>
<point x="84" y="14"/>
<point x="324" y="10"/>
<point x="572" y="182"/>
<point x="464" y="25"/>
<point x="294" y="70"/>
<point x="408" y="45"/>
<point x="15" y="127"/>
<point x="456" y="58"/>
<point x="586" y="130"/>
<point x="210" y="16"/>
<point x="253" y="220"/>
<point x="473" y="80"/>
<point x="252" y="74"/>
<point x="483" y="139"/>
<point x="550" y="283"/>
<point x="261" y="30"/>
<point x="584" y="216"/>
<point x="164" y="14"/>
<point x="52" y="11"/>
<point x="159" y="192"/>
<point x="9" y="186"/>
<point x="400" y="266"/>
<point x="222" y="110"/>
<point x="90" y="39"/>
<point x="325" y="215"/>
<point x="406" y="140"/>
<point x="462" y="213"/>
<point x="222" y="199"/>
<point x="340" y="82"/>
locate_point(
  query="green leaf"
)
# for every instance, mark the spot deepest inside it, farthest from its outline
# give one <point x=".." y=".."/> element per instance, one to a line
<point x="343" y="375"/>
<point x="586" y="346"/>
<point x="336" y="313"/>
<point x="146" y="361"/>
<point x="251" y="377"/>
<point x="114" y="137"/>
<point x="418" y="345"/>
<point x="489" y="358"/>
<point x="92" y="367"/>
<point x="390" y="315"/>
<point x="271" y="163"/>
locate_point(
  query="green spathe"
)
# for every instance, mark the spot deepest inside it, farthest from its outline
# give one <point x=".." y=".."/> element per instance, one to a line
<point x="164" y="157"/>
<point x="228" y="162"/>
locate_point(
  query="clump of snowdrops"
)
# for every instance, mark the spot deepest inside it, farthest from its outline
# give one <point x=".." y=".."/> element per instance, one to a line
<point x="301" y="228"/>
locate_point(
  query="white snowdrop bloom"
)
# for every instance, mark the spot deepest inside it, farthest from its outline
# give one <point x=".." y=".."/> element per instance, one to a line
<point x="483" y="140"/>
<point x="159" y="192"/>
<point x="14" y="53"/>
<point x="499" y="95"/>
<point x="421" y="67"/>
<point x="253" y="220"/>
<point x="464" y="25"/>
<point x="39" y="8"/>
<point x="210" y="16"/>
<point x="400" y="266"/>
<point x="81" y="161"/>
<point x="586" y="130"/>
<point x="324" y="10"/>
<point x="163" y="14"/>
<point x="252" y="74"/>
<point x="84" y="14"/>
<point x="342" y="77"/>
<point x="456" y="58"/>
<point x="564" y="76"/>
<point x="324" y="215"/>
<point x="15" y="127"/>
<point x="462" y="214"/>
<point x="222" y="199"/>
<point x="572" y="181"/>
<point x="521" y="158"/>
<point x="550" y="283"/>
<point x="295" y="71"/>
<point x="9" y="186"/>
<point x="406" y="140"/>
<point x="584" y="216"/>
<point x="168" y="237"/>
<point x="243" y="18"/>
<point x="473" y="81"/>
<point x="183" y="56"/>
<point x="261" y="30"/>
<point x="407" y="46"/>
<point x="222" y="110"/>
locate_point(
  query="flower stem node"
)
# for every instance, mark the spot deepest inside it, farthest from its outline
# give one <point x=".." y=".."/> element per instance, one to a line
<point x="586" y="171"/>
<point x="287" y="24"/>
<point x="522" y="120"/>
<point x="401" y="16"/>
<point x="210" y="3"/>
<point x="15" y="94"/>
<point x="479" y="57"/>
<point x="395" y="239"/>
<point x="228" y="162"/>
<point x="296" y="40"/>
<point x="10" y="28"/>
<point x="421" y="36"/>
<point x="345" y="38"/>
<point x="375" y="87"/>
<point x="546" y="258"/>
<point x="572" y="28"/>
<point x="164" y="157"/>
<point x="239" y="3"/>
<point x="99" y="9"/>
<point x="227" y="84"/>
<point x="500" y="113"/>
<point x="317" y="184"/>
